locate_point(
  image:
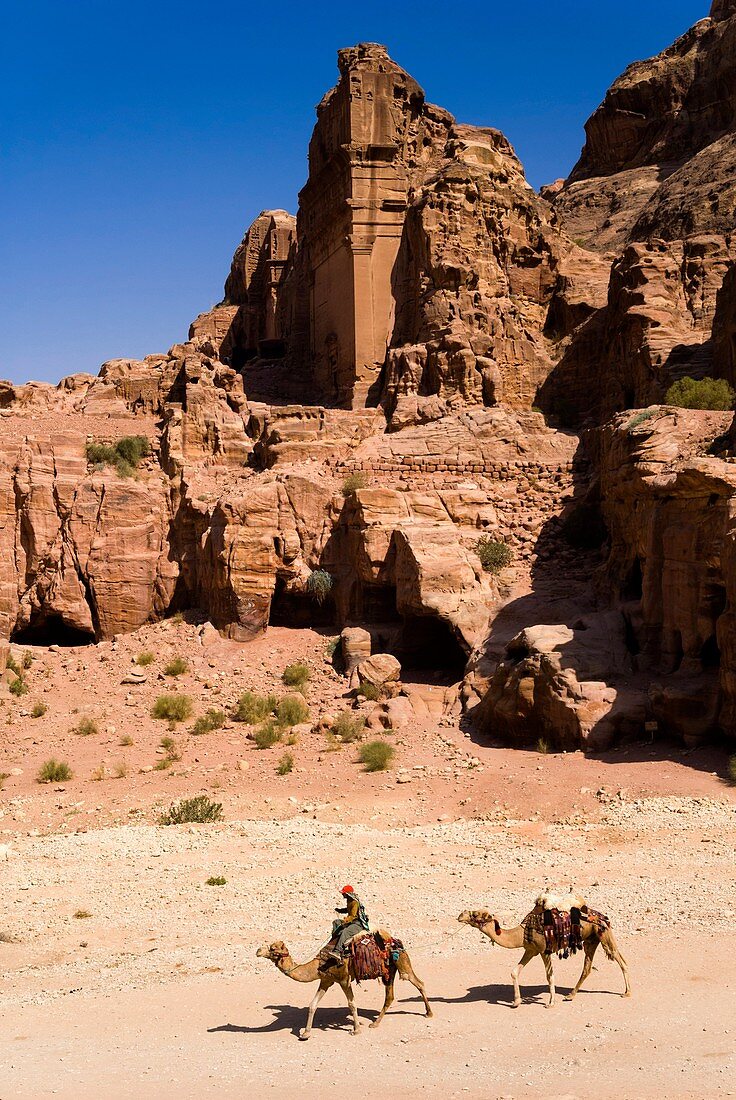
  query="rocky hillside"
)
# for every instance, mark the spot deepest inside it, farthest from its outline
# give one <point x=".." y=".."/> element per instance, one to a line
<point x="418" y="369"/>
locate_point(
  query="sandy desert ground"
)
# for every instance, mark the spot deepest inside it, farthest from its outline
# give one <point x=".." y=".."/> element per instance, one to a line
<point x="158" y="991"/>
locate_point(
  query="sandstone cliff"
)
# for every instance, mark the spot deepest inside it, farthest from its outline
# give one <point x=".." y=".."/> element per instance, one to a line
<point x="363" y="404"/>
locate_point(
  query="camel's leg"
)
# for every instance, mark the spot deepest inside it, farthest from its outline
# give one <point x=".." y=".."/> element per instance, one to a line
<point x="406" y="972"/>
<point x="611" y="949"/>
<point x="589" y="947"/>
<point x="348" y="991"/>
<point x="549" y="971"/>
<point x="323" y="987"/>
<point x="529" y="953"/>
<point x="388" y="999"/>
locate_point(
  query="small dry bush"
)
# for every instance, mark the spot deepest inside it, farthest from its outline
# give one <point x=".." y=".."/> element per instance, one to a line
<point x="169" y="745"/>
<point x="543" y="746"/>
<point x="3" y="777"/>
<point x="177" y="666"/>
<point x="12" y="665"/>
<point x="319" y="585"/>
<point x="215" y="880"/>
<point x="209" y="721"/>
<point x="82" y="914"/>
<point x="99" y="774"/>
<point x="296" y="675"/>
<point x="348" y="727"/>
<point x="375" y="756"/>
<point x="126" y="741"/>
<point x="174" y="708"/>
<point x="198" y="810"/>
<point x="371" y="692"/>
<point x="86" y="727"/>
<point x="120" y="770"/>
<point x="145" y="658"/>
<point x="252" y="708"/>
<point x="39" y="709"/>
<point x="54" y="771"/>
<point x="267" y="736"/>
<point x="352" y="483"/>
<point x="494" y="554"/>
<point x="291" y="711"/>
<point x="286" y="764"/>
<point x="27" y="659"/>
<point x="18" y="687"/>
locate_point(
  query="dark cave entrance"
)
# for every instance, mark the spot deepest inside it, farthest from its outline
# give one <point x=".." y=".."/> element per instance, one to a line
<point x="299" y="609"/>
<point x="425" y="642"/>
<point x="52" y="630"/>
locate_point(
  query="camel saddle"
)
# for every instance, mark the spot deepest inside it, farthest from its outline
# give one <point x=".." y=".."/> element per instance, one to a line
<point x="561" y="929"/>
<point x="372" y="954"/>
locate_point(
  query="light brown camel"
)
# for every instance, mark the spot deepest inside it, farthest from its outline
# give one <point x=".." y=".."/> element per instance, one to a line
<point x="343" y="976"/>
<point x="535" y="944"/>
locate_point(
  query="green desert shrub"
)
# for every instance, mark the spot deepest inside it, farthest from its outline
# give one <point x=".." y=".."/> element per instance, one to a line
<point x="177" y="666"/>
<point x="352" y="483"/>
<point x="27" y="659"/>
<point x="494" y="554"/>
<point x="54" y="771"/>
<point x="702" y="393"/>
<point x="375" y="756"/>
<point x="215" y="880"/>
<point x="198" y="810"/>
<point x="123" y="455"/>
<point x="86" y="727"/>
<point x="296" y="675"/>
<point x="209" y="721"/>
<point x="319" y="584"/>
<point x="252" y="708"/>
<point x="18" y="687"/>
<point x="291" y="711"/>
<point x="12" y="665"/>
<point x="267" y="736"/>
<point x="641" y="416"/>
<point x="348" y="727"/>
<point x="145" y="658"/>
<point x="285" y="764"/>
<point x="371" y="692"/>
<point x="174" y="708"/>
<point x="543" y="746"/>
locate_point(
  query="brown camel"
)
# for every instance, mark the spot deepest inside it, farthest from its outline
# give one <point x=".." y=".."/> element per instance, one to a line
<point x="343" y="976"/>
<point x="534" y="944"/>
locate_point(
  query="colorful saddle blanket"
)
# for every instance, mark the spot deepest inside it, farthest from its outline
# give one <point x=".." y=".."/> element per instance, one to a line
<point x="372" y="956"/>
<point x="561" y="930"/>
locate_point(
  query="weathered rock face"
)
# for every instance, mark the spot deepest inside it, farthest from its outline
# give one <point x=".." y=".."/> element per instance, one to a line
<point x="474" y="280"/>
<point x="656" y="328"/>
<point x="83" y="553"/>
<point x="569" y="687"/>
<point x="414" y="234"/>
<point x="665" y="651"/>
<point x="663" y="110"/>
<point x="655" y="181"/>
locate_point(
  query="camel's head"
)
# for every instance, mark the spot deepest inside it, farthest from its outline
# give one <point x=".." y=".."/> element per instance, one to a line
<point x="275" y="951"/>
<point x="477" y="917"/>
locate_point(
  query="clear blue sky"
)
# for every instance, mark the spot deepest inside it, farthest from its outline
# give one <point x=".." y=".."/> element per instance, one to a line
<point x="140" y="139"/>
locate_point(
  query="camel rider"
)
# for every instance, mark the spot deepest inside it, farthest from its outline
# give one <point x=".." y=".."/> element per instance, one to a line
<point x="354" y="922"/>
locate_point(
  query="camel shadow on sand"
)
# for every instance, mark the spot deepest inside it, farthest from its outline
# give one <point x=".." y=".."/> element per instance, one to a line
<point x="291" y="1018"/>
